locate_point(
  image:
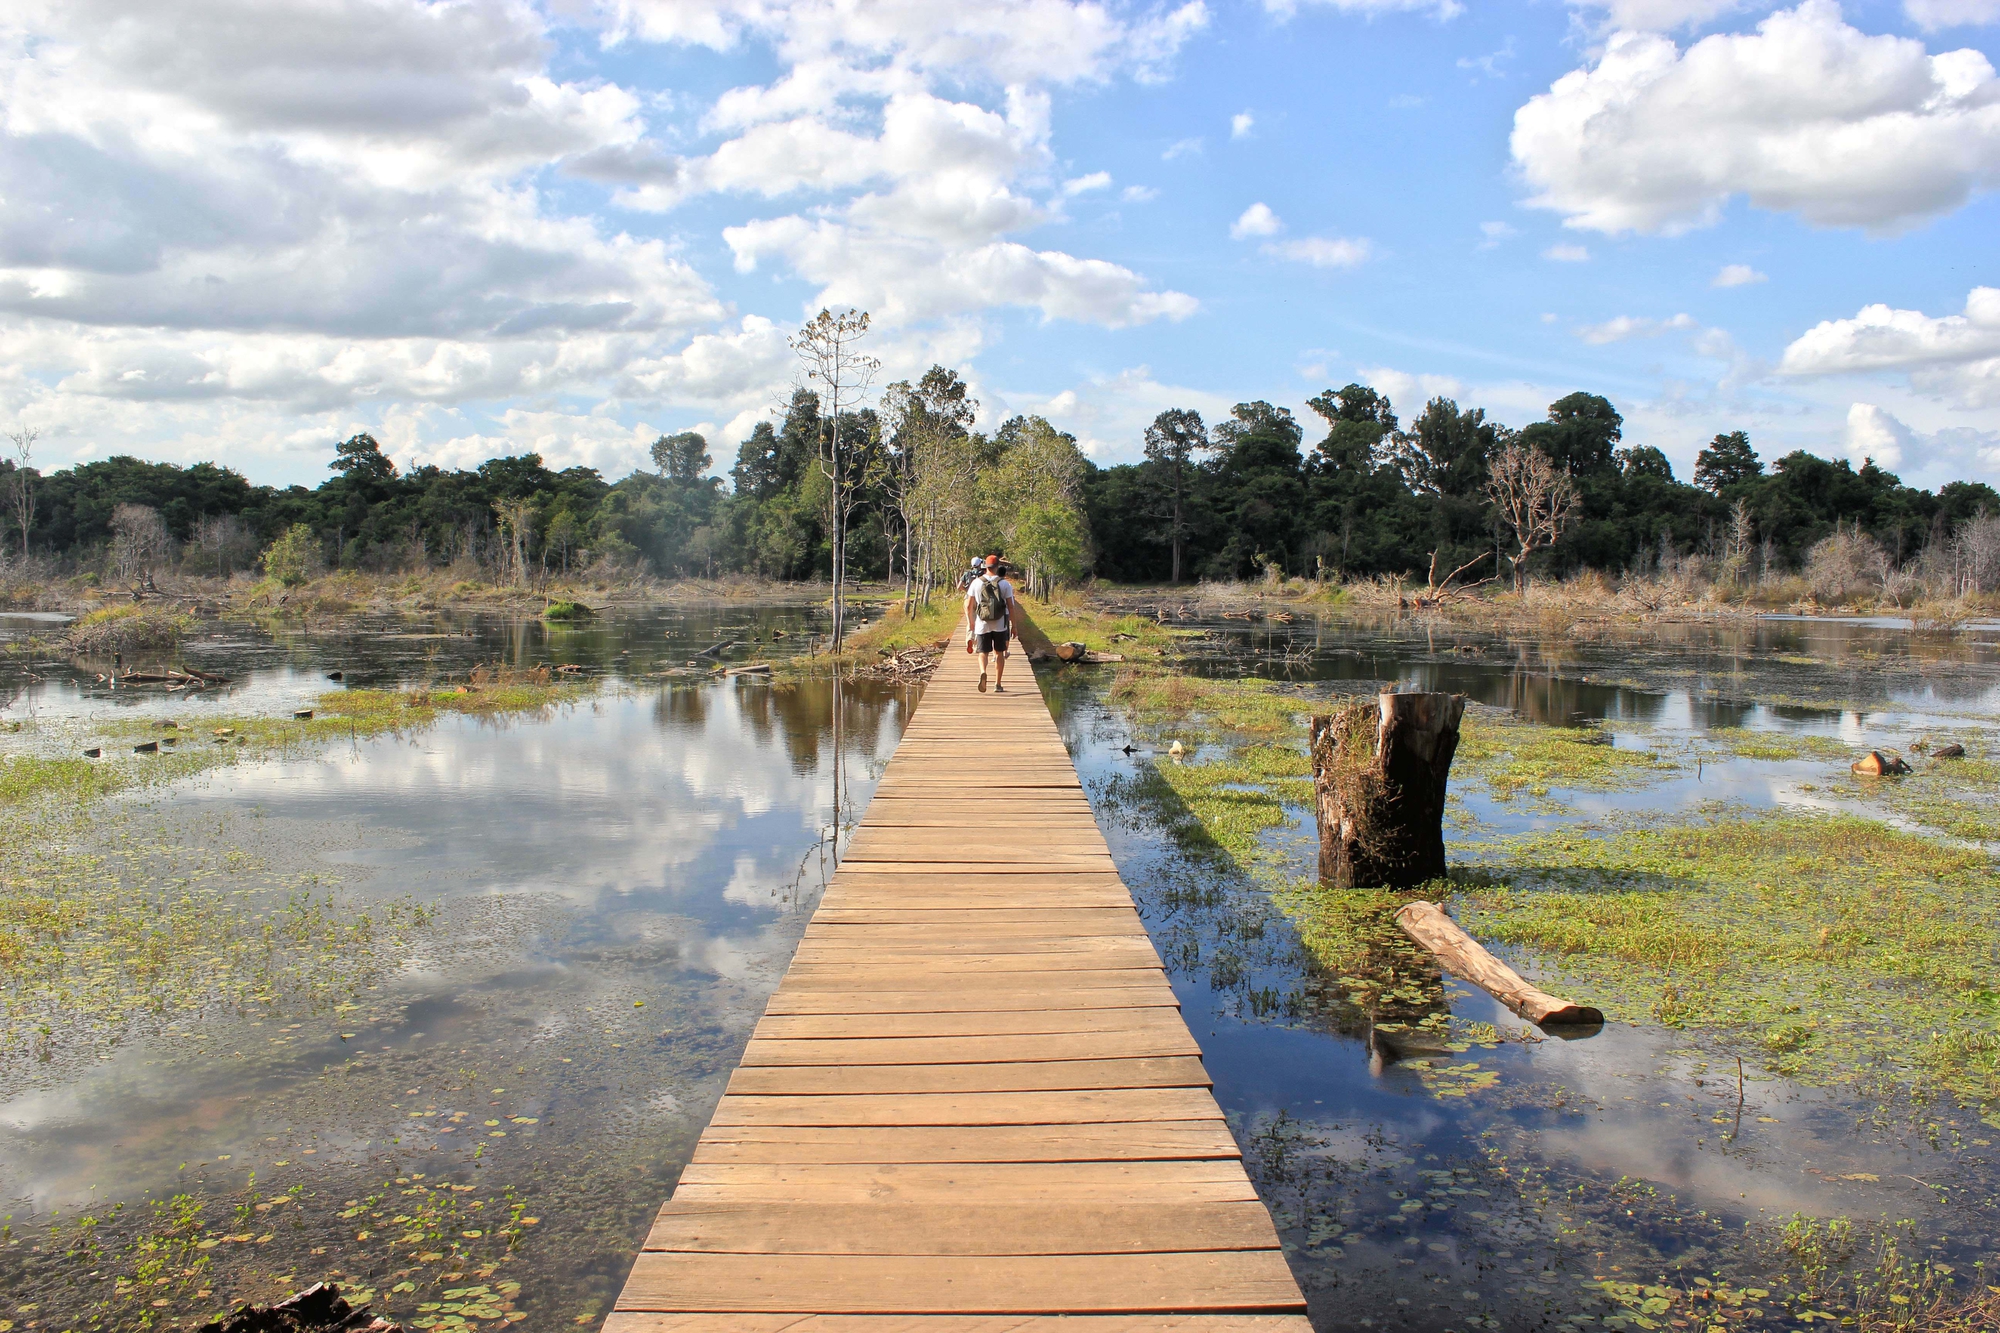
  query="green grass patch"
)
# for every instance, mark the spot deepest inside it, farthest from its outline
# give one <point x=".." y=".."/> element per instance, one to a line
<point x="1837" y="948"/>
<point x="1510" y="758"/>
<point x="567" y="611"/>
<point x="1775" y="745"/>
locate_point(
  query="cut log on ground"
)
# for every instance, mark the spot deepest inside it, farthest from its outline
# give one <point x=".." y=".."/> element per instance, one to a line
<point x="1463" y="957"/>
<point x="1875" y="764"/>
<point x="1379" y="775"/>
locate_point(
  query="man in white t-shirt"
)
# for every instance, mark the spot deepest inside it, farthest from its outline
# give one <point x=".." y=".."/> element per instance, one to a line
<point x="989" y="620"/>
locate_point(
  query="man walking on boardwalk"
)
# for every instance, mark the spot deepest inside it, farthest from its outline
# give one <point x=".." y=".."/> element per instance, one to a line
<point x="989" y="622"/>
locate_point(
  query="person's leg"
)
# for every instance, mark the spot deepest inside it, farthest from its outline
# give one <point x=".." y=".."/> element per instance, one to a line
<point x="999" y="667"/>
<point x="985" y="665"/>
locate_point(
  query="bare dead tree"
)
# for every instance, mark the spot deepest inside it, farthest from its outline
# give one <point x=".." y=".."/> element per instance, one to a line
<point x="1535" y="499"/>
<point x="21" y="484"/>
<point x="139" y="541"/>
<point x="828" y="347"/>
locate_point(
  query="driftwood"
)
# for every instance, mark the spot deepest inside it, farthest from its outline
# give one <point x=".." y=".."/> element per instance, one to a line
<point x="1379" y="775"/>
<point x="1952" y="751"/>
<point x="172" y="678"/>
<point x="320" y="1308"/>
<point x="1462" y="956"/>
<point x="726" y="643"/>
<point x="752" y="669"/>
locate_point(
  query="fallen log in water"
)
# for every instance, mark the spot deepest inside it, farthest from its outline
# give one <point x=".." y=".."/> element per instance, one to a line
<point x="1463" y="957"/>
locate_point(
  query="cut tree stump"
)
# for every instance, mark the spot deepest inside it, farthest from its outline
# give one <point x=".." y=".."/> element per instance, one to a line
<point x="1875" y="764"/>
<point x="1465" y="958"/>
<point x="1379" y="774"/>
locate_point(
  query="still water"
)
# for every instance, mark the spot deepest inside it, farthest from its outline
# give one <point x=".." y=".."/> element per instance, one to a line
<point x="612" y="890"/>
<point x="609" y="893"/>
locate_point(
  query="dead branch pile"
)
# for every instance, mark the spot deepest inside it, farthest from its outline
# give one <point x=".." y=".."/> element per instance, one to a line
<point x="910" y="664"/>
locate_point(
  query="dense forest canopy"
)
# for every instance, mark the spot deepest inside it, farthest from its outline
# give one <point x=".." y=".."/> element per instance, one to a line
<point x="1356" y="492"/>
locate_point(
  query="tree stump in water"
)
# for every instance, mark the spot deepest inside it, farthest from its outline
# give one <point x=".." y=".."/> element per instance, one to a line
<point x="1379" y="773"/>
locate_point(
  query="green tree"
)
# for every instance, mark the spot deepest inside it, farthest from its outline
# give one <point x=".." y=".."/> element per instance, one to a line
<point x="681" y="458"/>
<point x="1172" y="442"/>
<point x="1050" y="538"/>
<point x="1644" y="460"/>
<point x="361" y="461"/>
<point x="292" y="558"/>
<point x="1358" y="419"/>
<point x="1580" y="434"/>
<point x="1727" y="461"/>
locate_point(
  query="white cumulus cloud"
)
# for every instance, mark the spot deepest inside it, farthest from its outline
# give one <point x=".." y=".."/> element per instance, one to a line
<point x="1806" y="115"/>
<point x="1256" y="220"/>
<point x="1873" y="433"/>
<point x="1953" y="356"/>
<point x="1441" y="9"/>
<point x="1662" y="15"/>
<point x="1240" y="124"/>
<point x="1737" y="275"/>
<point x="1322" y="251"/>
<point x="1930" y="15"/>
<point x="1623" y="327"/>
<point x="1567" y="254"/>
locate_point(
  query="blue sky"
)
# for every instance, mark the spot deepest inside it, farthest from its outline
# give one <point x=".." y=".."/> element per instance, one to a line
<point x="242" y="231"/>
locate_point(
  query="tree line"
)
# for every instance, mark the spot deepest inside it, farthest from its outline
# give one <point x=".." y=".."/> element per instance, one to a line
<point x="902" y="486"/>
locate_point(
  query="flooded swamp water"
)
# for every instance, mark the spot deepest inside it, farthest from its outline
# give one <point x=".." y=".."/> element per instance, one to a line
<point x="437" y="1012"/>
<point x="1766" y="1135"/>
<point x="440" y="1011"/>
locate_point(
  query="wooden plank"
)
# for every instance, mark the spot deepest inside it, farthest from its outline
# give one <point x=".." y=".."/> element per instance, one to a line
<point x="1025" y="1184"/>
<point x="1054" y="1076"/>
<point x="974" y="1108"/>
<point x="834" y="998"/>
<point x="977" y="1023"/>
<point x="959" y="1228"/>
<point x="1237" y="1281"/>
<point x="959" y="1050"/>
<point x="1152" y="1140"/>
<point x="633" y="1321"/>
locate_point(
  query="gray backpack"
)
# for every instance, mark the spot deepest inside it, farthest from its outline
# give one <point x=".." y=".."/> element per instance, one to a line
<point x="992" y="600"/>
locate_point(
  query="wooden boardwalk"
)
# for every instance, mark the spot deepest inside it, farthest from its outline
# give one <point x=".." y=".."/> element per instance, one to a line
<point x="972" y="1104"/>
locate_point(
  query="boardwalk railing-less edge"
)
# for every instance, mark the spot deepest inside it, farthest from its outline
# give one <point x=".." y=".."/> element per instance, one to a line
<point x="972" y="1104"/>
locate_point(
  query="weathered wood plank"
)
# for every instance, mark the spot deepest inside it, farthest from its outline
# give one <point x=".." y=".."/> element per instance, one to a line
<point x="982" y="1108"/>
<point x="1025" y="1184"/>
<point x="1150" y="1140"/>
<point x="1050" y="1076"/>
<point x="960" y="1228"/>
<point x="1236" y="1281"/>
<point x="978" y="1023"/>
<point x="632" y="1321"/>
<point x="961" y="1050"/>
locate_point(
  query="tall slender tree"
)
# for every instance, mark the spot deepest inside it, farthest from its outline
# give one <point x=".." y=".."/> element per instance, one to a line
<point x="828" y="345"/>
<point x="21" y="484"/>
<point x="1172" y="441"/>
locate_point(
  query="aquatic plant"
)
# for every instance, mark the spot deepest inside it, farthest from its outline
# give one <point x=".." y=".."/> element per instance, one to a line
<point x="127" y="628"/>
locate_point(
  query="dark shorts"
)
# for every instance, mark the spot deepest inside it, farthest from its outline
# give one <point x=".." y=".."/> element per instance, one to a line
<point x="994" y="641"/>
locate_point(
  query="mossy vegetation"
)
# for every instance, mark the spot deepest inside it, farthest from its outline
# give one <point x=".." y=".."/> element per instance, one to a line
<point x="565" y="610"/>
<point x="128" y="627"/>
<point x="1830" y="947"/>
<point x="107" y="916"/>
